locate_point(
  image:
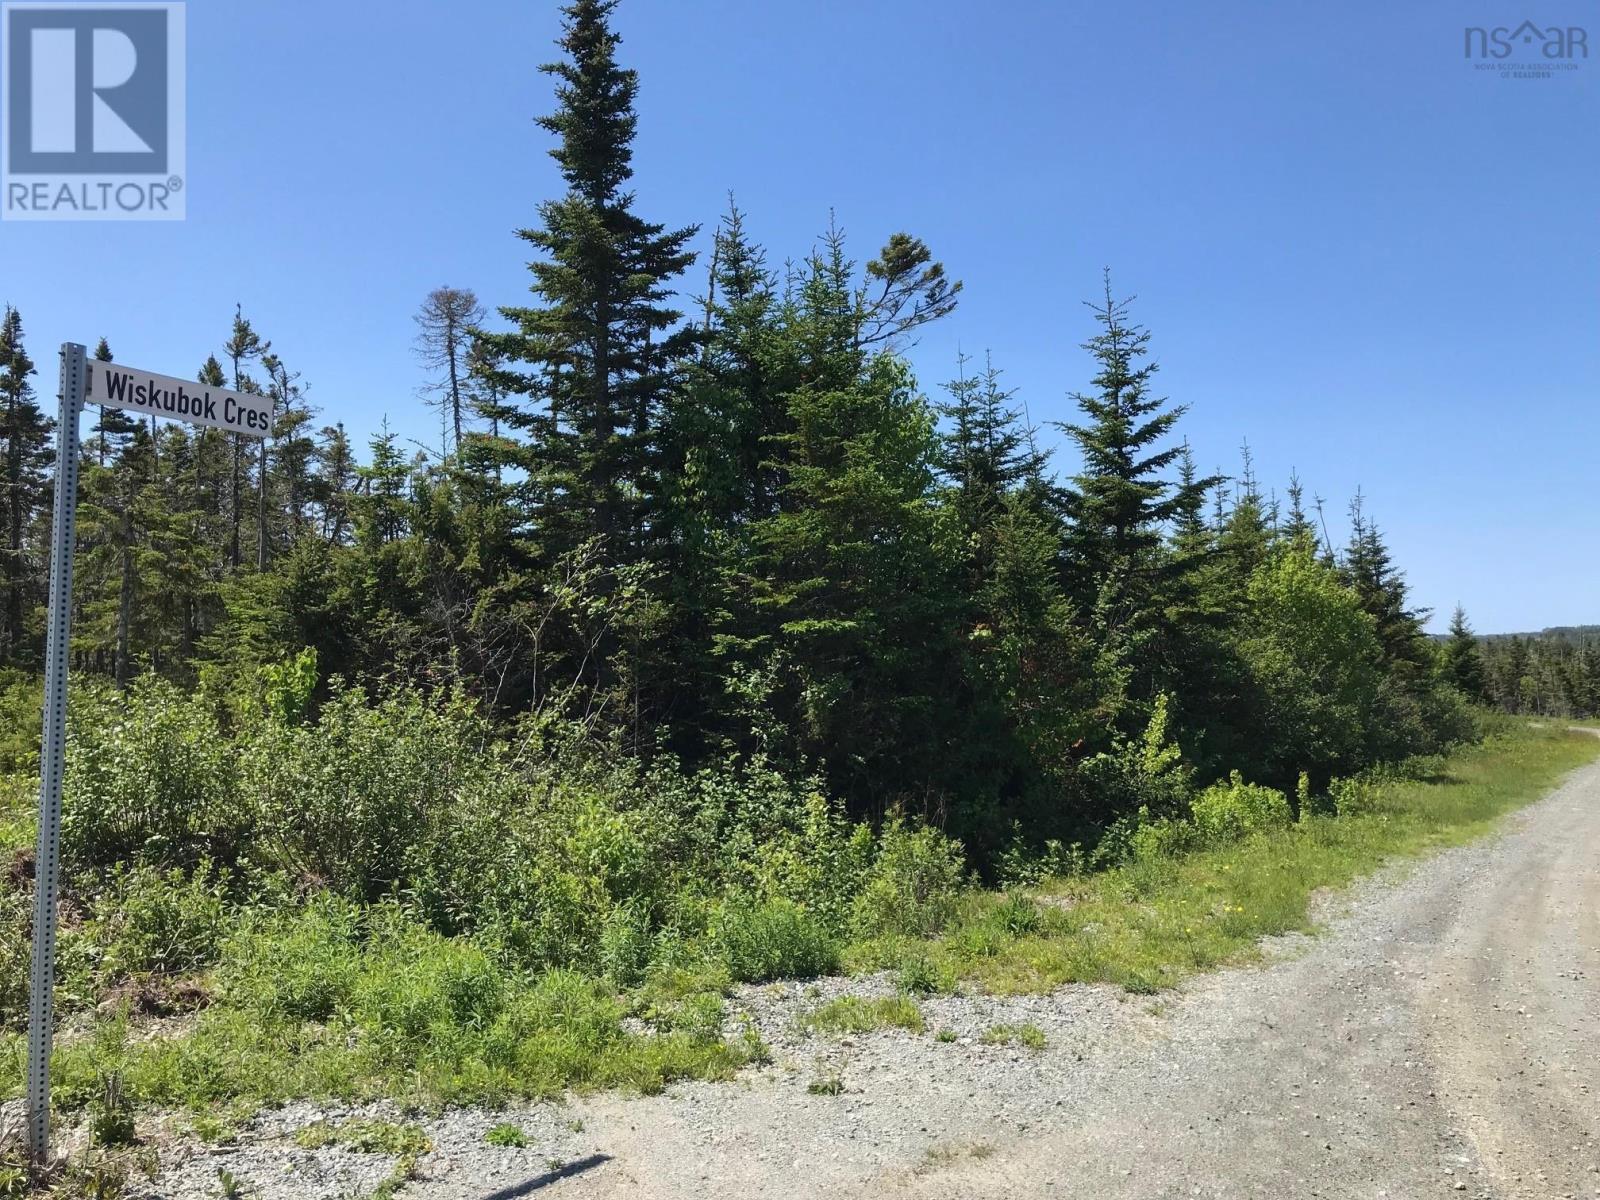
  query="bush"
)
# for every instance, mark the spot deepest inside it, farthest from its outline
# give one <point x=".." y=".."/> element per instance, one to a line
<point x="775" y="939"/>
<point x="1228" y="811"/>
<point x="1143" y="773"/>
<point x="913" y="884"/>
<point x="350" y="801"/>
<point x="16" y="963"/>
<point x="296" y="964"/>
<point x="152" y="921"/>
<point x="150" y="777"/>
<point x="1163" y="838"/>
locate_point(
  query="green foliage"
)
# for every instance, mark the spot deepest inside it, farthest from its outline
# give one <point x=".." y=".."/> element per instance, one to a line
<point x="1235" y="809"/>
<point x="150" y="776"/>
<point x="111" y="1113"/>
<point x="1314" y="655"/>
<point x="367" y="1136"/>
<point x="913" y="884"/>
<point x="507" y="1135"/>
<point x="1028" y="1035"/>
<point x="21" y="706"/>
<point x="287" y="686"/>
<point x="150" y="920"/>
<point x="772" y="940"/>
<point x="349" y="801"/>
<point x="1137" y="777"/>
<point x="854" y="1014"/>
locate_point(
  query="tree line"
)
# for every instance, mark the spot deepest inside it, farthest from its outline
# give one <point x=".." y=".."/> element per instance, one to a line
<point x="732" y="525"/>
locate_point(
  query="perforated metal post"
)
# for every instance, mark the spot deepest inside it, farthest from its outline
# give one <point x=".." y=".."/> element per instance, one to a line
<point x="47" y="862"/>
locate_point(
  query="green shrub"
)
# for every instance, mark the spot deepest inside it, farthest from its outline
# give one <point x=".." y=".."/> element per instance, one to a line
<point x="21" y="709"/>
<point x="776" y="939"/>
<point x="508" y="1136"/>
<point x="1231" y="810"/>
<point x="296" y="964"/>
<point x="160" y="921"/>
<point x="917" y="976"/>
<point x="626" y="943"/>
<point x="16" y="963"/>
<point x="417" y="987"/>
<point x="150" y="777"/>
<point x="913" y="884"/>
<point x="352" y="800"/>
<point x="1164" y="837"/>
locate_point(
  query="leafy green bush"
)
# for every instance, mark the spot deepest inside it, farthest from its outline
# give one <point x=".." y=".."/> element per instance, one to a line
<point x="351" y="800"/>
<point x="21" y="708"/>
<point x="1231" y="810"/>
<point x="151" y="920"/>
<point x="1145" y="772"/>
<point x="16" y="941"/>
<point x="296" y="964"/>
<point x="913" y="884"/>
<point x="1164" y="837"/>
<point x="149" y="776"/>
<point x="774" y="939"/>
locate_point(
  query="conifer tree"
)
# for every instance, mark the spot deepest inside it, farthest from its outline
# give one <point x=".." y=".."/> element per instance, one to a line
<point x="1369" y="568"/>
<point x="1463" y="663"/>
<point x="113" y="426"/>
<point x="243" y="345"/>
<point x="601" y="349"/>
<point x="26" y="485"/>
<point x="1120" y="502"/>
<point x="986" y="452"/>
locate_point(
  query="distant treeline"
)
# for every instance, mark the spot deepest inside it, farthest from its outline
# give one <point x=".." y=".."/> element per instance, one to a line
<point x="1555" y="673"/>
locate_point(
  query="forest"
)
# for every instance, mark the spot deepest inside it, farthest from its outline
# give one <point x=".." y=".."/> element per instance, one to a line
<point x="705" y="633"/>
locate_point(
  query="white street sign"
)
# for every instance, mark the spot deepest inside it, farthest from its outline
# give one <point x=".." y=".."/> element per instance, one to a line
<point x="182" y="399"/>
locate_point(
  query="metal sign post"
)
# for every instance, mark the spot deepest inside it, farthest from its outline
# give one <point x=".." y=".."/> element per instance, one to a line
<point x="47" y="860"/>
<point x="115" y="386"/>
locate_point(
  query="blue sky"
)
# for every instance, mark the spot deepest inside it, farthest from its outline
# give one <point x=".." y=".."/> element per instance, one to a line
<point x="1378" y="265"/>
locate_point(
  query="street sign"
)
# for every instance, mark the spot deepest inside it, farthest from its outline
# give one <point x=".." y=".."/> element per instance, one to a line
<point x="162" y="396"/>
<point x="117" y="386"/>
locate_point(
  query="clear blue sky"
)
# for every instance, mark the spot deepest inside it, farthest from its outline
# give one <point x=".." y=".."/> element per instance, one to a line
<point x="1378" y="265"/>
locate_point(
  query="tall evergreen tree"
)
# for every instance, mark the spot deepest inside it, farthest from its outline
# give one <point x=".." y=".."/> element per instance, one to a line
<point x="1121" y="500"/>
<point x="243" y="345"/>
<point x="113" y="426"/>
<point x="603" y="345"/>
<point x="1463" y="662"/>
<point x="1369" y="568"/>
<point x="26" y="491"/>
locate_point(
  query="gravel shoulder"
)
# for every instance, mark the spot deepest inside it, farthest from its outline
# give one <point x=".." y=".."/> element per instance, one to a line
<point x="1438" y="1038"/>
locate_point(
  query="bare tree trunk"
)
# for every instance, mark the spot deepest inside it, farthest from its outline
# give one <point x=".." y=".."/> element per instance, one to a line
<point x="125" y="597"/>
<point x="261" y="510"/>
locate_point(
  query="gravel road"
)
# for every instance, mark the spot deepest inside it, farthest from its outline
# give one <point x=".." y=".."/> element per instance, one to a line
<point x="1440" y="1037"/>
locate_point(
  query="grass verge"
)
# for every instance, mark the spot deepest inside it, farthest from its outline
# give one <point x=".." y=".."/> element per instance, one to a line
<point x="324" y="999"/>
<point x="1151" y="923"/>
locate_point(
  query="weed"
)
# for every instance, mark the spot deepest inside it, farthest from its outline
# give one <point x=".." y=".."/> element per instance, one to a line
<point x="945" y="1035"/>
<point x="507" y="1135"/>
<point x="826" y="1085"/>
<point x="111" y="1113"/>
<point x="939" y="1156"/>
<point x="1028" y="1035"/>
<point x="853" y="1014"/>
